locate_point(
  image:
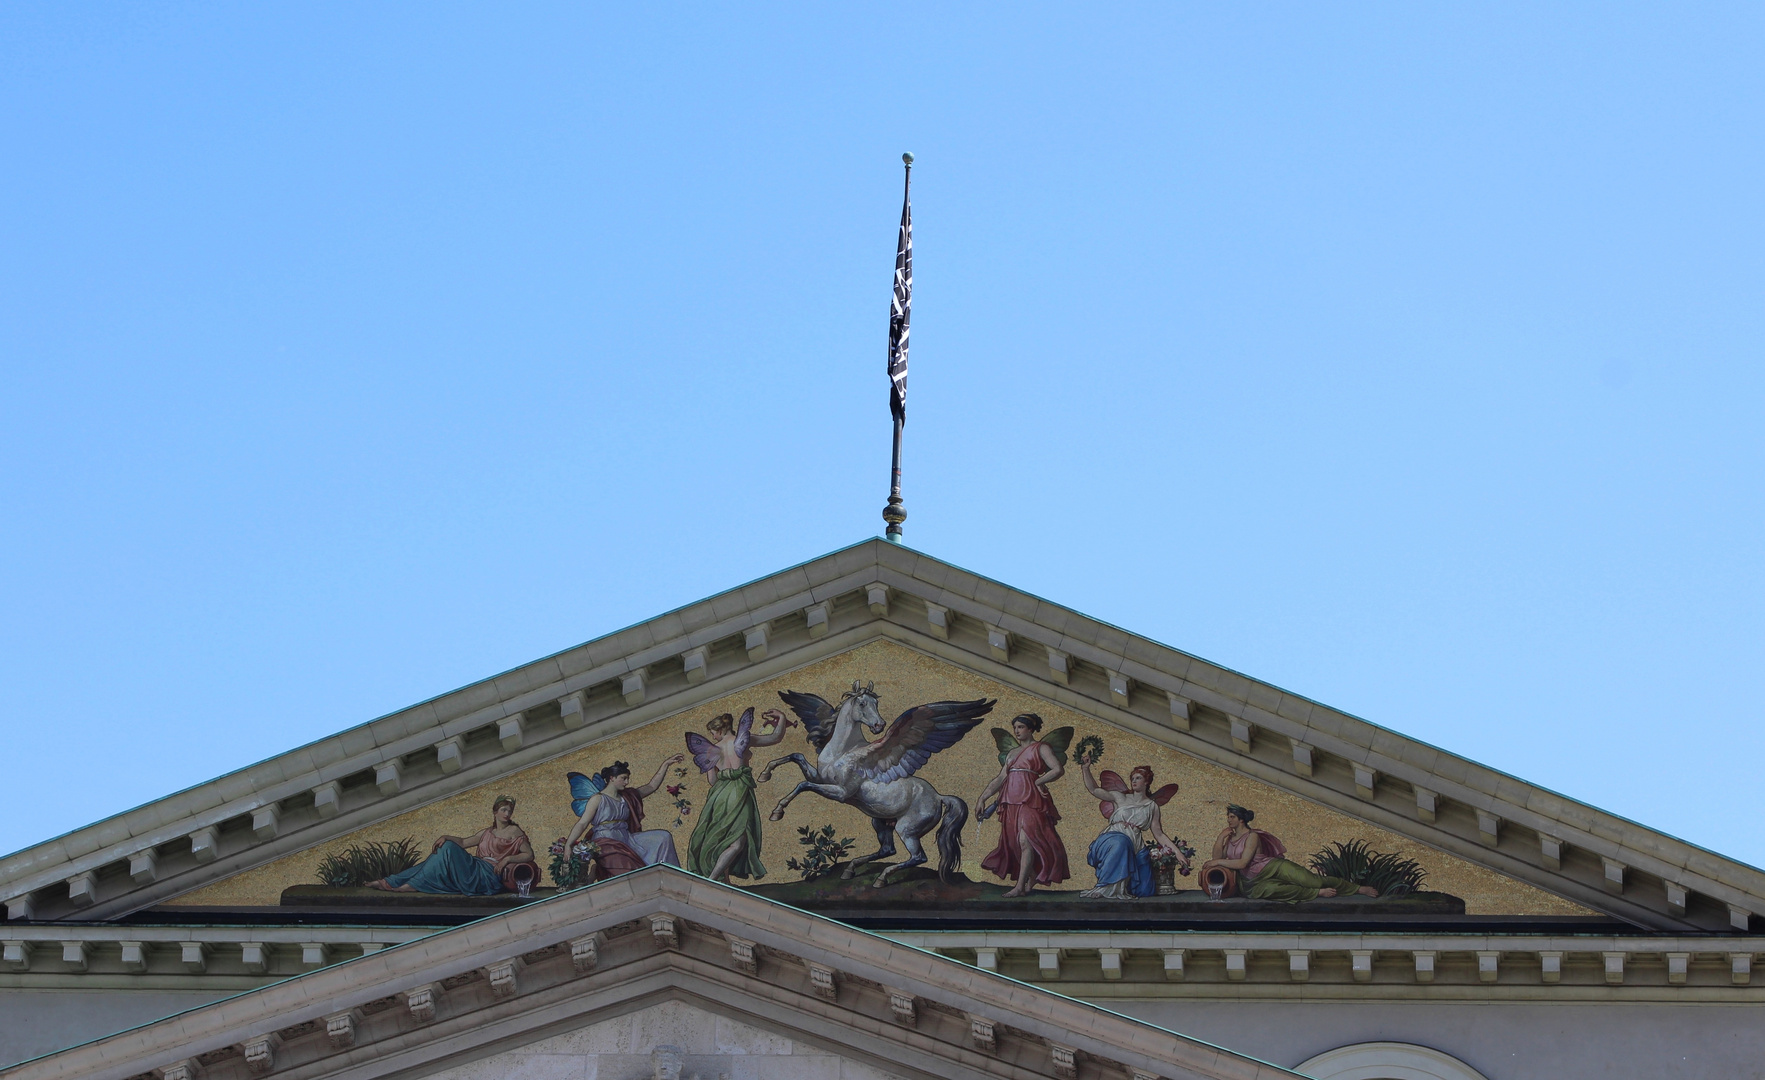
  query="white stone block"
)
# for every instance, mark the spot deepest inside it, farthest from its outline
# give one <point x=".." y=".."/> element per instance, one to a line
<point x="1048" y="963"/>
<point x="1550" y="964"/>
<point x="999" y="643"/>
<point x="937" y="620"/>
<point x="1678" y="965"/>
<point x="82" y="889"/>
<point x="1488" y="965"/>
<point x="134" y="956"/>
<point x="328" y="799"/>
<point x="20" y="907"/>
<point x="1427" y="803"/>
<point x="511" y="731"/>
<point x="1550" y="850"/>
<point x="573" y="708"/>
<point x="1299" y="964"/>
<point x="1112" y="962"/>
<point x="816" y="617"/>
<point x="447" y="754"/>
<point x="144" y="867"/>
<point x="266" y="821"/>
<point x="204" y="844"/>
<point x="1740" y="968"/>
<point x="1366" y="780"/>
<point x="1739" y="918"/>
<point x="389" y="776"/>
<point x="632" y="687"/>
<point x="1614" y="876"/>
<point x="986" y="959"/>
<point x="1425" y="964"/>
<point x="1488" y="828"/>
<point x="1058" y="665"/>
<point x="1236" y="968"/>
<point x="1173" y="964"/>
<point x="313" y="953"/>
<point x="17" y="954"/>
<point x="194" y="956"/>
<point x="1676" y="897"/>
<point x="1179" y="710"/>
<point x="1121" y="689"/>
<point x="877" y="596"/>
<point x="754" y="639"/>
<point x="1301" y="757"/>
<point x="1361" y="964"/>
<point x="369" y="948"/>
<point x="75" y="954"/>
<point x="255" y="956"/>
<point x="1243" y="734"/>
<point x="1614" y="968"/>
<point x="696" y="663"/>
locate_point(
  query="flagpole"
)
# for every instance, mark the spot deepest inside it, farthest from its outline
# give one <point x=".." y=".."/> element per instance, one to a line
<point x="901" y="309"/>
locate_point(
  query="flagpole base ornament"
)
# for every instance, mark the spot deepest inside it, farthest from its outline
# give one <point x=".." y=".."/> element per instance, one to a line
<point x="895" y="513"/>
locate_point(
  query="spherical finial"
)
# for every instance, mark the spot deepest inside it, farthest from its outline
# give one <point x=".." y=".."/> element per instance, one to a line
<point x="907" y="158"/>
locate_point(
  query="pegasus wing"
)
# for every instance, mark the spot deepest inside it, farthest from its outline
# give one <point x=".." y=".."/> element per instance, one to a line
<point x="815" y="713"/>
<point x="1058" y="740"/>
<point x="1006" y="742"/>
<point x="703" y="750"/>
<point x="744" y="733"/>
<point x="1163" y="794"/>
<point x="915" y="736"/>
<point x="582" y="789"/>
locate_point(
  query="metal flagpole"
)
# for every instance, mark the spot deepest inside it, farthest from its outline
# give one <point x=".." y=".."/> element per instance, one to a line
<point x="900" y="313"/>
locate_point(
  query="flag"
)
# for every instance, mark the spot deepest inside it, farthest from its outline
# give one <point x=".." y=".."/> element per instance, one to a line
<point x="901" y="306"/>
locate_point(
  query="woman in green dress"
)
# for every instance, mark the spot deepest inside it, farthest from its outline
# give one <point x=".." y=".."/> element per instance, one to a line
<point x="1262" y="872"/>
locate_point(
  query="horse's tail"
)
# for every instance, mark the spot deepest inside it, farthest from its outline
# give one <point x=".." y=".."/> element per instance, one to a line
<point x="950" y="837"/>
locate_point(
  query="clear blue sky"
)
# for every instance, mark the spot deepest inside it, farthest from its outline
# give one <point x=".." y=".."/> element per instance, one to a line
<point x="1407" y="359"/>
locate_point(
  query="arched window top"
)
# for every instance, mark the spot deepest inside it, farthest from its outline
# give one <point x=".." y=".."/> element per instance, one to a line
<point x="1387" y="1061"/>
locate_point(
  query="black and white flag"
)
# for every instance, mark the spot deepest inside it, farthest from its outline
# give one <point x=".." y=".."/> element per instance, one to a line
<point x="901" y="307"/>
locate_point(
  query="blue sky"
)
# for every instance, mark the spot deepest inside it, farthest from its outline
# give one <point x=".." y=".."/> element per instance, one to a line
<point x="1409" y="359"/>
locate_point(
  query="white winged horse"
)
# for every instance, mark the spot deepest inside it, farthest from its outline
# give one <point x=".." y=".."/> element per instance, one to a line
<point x="877" y="777"/>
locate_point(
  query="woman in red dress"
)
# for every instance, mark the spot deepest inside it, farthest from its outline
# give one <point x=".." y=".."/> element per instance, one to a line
<point x="1029" y="848"/>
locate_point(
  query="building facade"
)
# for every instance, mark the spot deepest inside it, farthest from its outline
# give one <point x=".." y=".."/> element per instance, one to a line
<point x="876" y="700"/>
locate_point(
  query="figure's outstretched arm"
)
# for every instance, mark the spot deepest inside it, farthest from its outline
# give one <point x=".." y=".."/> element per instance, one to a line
<point x="780" y="724"/>
<point x="661" y="774"/>
<point x="1090" y="782"/>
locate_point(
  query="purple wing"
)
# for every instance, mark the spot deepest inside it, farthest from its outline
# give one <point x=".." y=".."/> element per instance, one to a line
<point x="744" y="731"/>
<point x="916" y="735"/>
<point x="703" y="750"/>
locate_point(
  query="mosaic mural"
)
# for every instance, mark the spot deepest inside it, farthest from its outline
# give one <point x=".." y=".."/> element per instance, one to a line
<point x="925" y="782"/>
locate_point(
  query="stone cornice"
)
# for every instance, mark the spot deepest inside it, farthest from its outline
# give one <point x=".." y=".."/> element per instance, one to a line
<point x="874" y="589"/>
<point x="660" y="933"/>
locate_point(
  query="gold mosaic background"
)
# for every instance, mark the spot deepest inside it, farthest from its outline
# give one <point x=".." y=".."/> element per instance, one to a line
<point x="904" y="678"/>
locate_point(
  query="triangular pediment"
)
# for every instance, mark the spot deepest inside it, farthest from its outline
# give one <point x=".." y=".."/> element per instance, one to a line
<point x="922" y="630"/>
<point x="657" y="973"/>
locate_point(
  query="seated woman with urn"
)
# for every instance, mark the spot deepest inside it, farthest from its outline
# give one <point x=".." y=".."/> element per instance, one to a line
<point x="504" y="860"/>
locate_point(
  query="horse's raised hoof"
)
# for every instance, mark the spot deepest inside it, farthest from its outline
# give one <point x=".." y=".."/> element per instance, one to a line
<point x="776" y="815"/>
<point x="765" y="775"/>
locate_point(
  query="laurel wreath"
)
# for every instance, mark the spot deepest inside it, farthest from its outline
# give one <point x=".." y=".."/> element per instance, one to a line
<point x="1089" y="750"/>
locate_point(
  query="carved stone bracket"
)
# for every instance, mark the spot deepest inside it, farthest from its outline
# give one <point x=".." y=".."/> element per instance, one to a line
<point x="665" y="929"/>
<point x="260" y="1053"/>
<point x="824" y="981"/>
<point x="902" y="1005"/>
<point x="421" y="1001"/>
<point x="981" y="1034"/>
<point x="340" y="1028"/>
<point x="741" y="954"/>
<point x="1063" y="1060"/>
<point x="502" y="978"/>
<point x="585" y="952"/>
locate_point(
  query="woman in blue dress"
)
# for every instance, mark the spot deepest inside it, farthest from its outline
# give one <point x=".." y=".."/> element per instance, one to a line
<point x="504" y="859"/>
<point x="1123" y="864"/>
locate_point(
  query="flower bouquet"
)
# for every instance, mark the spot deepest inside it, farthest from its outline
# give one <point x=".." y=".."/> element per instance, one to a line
<point x="575" y="867"/>
<point x="1166" y="866"/>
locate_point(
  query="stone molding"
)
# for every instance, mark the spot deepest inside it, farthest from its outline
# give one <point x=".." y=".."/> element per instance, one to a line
<point x="375" y="1015"/>
<point x="482" y="732"/>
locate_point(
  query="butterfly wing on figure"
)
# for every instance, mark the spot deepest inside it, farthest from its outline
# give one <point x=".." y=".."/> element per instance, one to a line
<point x="1058" y="740"/>
<point x="703" y="750"/>
<point x="815" y="713"/>
<point x="1007" y="744"/>
<point x="584" y="788"/>
<point x="1109" y="780"/>
<point x="915" y="736"/>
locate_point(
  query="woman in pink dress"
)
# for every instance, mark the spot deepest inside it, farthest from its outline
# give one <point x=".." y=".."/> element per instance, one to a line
<point x="1029" y="848"/>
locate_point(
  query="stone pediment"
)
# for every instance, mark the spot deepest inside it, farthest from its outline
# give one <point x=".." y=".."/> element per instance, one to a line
<point x="627" y="973"/>
<point x="879" y="611"/>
